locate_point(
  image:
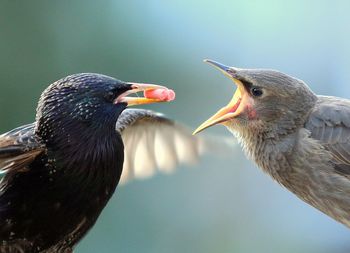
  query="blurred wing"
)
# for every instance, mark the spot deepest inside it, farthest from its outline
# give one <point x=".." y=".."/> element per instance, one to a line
<point x="18" y="148"/>
<point x="154" y="143"/>
<point x="329" y="123"/>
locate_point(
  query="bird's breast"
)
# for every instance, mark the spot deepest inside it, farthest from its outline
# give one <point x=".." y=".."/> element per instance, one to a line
<point x="303" y="166"/>
<point x="92" y="168"/>
<point x="270" y="154"/>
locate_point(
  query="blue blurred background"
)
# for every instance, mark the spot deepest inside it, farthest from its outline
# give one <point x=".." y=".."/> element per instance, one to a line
<point x="221" y="205"/>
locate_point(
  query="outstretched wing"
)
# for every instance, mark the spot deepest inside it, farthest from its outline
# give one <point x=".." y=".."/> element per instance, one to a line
<point x="18" y="148"/>
<point x="154" y="143"/>
<point x="329" y="123"/>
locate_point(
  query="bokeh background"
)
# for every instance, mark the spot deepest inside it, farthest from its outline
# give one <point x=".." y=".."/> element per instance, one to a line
<point x="222" y="204"/>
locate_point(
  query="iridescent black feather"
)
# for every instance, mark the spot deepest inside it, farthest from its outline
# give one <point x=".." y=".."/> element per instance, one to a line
<point x="73" y="163"/>
<point x="61" y="170"/>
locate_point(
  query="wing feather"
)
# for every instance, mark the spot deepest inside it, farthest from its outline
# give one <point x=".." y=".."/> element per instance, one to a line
<point x="153" y="143"/>
<point x="329" y="123"/>
<point x="18" y="148"/>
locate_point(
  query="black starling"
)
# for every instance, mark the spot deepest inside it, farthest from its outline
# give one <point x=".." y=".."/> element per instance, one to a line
<point x="60" y="171"/>
<point x="300" y="139"/>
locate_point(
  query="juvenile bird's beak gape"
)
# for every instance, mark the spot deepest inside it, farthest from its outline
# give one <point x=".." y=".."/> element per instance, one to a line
<point x="235" y="107"/>
<point x="152" y="94"/>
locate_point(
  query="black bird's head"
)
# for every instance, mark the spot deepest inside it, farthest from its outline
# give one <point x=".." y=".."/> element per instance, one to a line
<point x="265" y="100"/>
<point x="86" y="101"/>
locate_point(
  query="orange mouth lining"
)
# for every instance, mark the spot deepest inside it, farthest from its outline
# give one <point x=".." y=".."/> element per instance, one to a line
<point x="235" y="107"/>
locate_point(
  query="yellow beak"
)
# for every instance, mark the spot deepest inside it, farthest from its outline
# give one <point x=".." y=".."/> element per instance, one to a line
<point x="141" y="87"/>
<point x="235" y="107"/>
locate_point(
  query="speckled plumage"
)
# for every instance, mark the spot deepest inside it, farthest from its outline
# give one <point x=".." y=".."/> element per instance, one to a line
<point x="60" y="171"/>
<point x="53" y="198"/>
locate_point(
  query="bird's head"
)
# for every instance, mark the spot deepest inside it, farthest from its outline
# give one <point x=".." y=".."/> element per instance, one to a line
<point x="88" y="99"/>
<point x="265" y="100"/>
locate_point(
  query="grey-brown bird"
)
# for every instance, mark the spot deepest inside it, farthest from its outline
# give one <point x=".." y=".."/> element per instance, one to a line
<point x="300" y="139"/>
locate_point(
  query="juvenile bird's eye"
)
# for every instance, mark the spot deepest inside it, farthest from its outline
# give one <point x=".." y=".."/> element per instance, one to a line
<point x="256" y="91"/>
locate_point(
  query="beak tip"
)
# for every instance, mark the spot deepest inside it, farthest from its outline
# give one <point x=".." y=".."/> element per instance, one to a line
<point x="199" y="129"/>
<point x="218" y="65"/>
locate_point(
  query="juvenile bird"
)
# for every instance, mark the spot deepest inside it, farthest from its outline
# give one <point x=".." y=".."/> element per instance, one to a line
<point x="61" y="170"/>
<point x="300" y="139"/>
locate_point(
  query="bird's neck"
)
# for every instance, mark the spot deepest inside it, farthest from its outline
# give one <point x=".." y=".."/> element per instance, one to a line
<point x="258" y="135"/>
<point x="83" y="145"/>
<point x="269" y="151"/>
<point x="86" y="161"/>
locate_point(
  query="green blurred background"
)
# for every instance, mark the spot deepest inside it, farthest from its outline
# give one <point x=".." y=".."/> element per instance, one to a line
<point x="221" y="205"/>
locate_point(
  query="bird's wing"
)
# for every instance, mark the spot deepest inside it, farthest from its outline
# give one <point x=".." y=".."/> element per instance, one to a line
<point x="18" y="148"/>
<point x="329" y="123"/>
<point x="154" y="143"/>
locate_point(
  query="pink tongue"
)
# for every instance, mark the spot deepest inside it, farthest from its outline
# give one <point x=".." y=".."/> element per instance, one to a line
<point x="161" y="94"/>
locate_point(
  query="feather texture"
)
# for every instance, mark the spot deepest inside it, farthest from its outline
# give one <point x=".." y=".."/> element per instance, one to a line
<point x="329" y="122"/>
<point x="18" y="148"/>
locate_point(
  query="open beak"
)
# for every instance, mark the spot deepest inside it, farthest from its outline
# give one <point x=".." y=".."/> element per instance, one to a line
<point x="237" y="104"/>
<point x="152" y="94"/>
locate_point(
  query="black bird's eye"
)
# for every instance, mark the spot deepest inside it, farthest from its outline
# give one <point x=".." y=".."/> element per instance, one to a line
<point x="110" y="96"/>
<point x="256" y="91"/>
